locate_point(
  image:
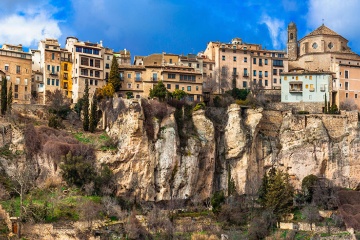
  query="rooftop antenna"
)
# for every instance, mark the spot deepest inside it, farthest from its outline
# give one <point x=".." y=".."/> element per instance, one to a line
<point x="322" y="21"/>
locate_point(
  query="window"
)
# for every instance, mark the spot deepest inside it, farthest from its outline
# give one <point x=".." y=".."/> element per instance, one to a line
<point x="176" y="86"/>
<point x="254" y="61"/>
<point x="97" y="63"/>
<point x="266" y="61"/>
<point x="260" y="74"/>
<point x="197" y="88"/>
<point x="355" y="95"/>
<point x="53" y="82"/>
<point x="91" y="62"/>
<point x="278" y="63"/>
<point x="97" y="74"/>
<point x="260" y="62"/>
<point x="48" y="81"/>
<point x="189" y="88"/>
<point x="171" y="75"/>
<point x="58" y="68"/>
<point x="234" y="71"/>
<point x="154" y="77"/>
<point x="266" y="82"/>
<point x="18" y="69"/>
<point x="266" y="73"/>
<point x="168" y="86"/>
<point x="260" y="82"/>
<point x="16" y="88"/>
<point x="129" y="85"/>
<point x="17" y="81"/>
<point x="108" y="57"/>
<point x="275" y="71"/>
<point x="244" y="84"/>
<point x="96" y="82"/>
<point x="170" y="60"/>
<point x="121" y="76"/>
<point x="53" y="56"/>
<point x="78" y="49"/>
<point x="197" y="65"/>
<point x="346" y="74"/>
<point x="245" y="72"/>
<point x="223" y="58"/>
<point x="189" y="64"/>
<point x="254" y="73"/>
<point x="245" y="59"/>
<point x="48" y="67"/>
<point x="6" y="68"/>
<point x="275" y="80"/>
<point x="57" y="82"/>
<point x="129" y="75"/>
<point x="234" y="58"/>
<point x="25" y="81"/>
<point x="310" y="77"/>
<point x="204" y="65"/>
<point x="346" y="95"/>
<point x="84" y="61"/>
<point x="137" y="76"/>
<point x="65" y="66"/>
<point x="346" y="85"/>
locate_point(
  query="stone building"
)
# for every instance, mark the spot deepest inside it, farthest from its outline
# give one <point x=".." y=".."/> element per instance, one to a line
<point x="237" y="64"/>
<point x="16" y="64"/>
<point x="66" y="72"/>
<point x="88" y="63"/>
<point x="324" y="50"/>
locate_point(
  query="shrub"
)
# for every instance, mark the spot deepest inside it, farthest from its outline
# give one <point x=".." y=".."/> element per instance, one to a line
<point x="129" y="95"/>
<point x="217" y="101"/>
<point x="348" y="105"/>
<point x="217" y="200"/>
<point x="302" y="112"/>
<point x="199" y="106"/>
<point x="242" y="102"/>
<point x="55" y="122"/>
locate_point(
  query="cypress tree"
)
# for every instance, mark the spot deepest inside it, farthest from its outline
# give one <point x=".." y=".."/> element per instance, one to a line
<point x="93" y="114"/>
<point x="3" y="95"/>
<point x="85" y="106"/>
<point x="325" y="108"/>
<point x="9" y="99"/>
<point x="114" y="77"/>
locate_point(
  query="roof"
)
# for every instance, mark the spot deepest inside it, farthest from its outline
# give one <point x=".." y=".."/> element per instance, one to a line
<point x="323" y="30"/>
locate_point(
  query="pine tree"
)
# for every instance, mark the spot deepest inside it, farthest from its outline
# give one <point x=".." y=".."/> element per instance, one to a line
<point x="85" y="106"/>
<point x="3" y="95"/>
<point x="114" y="77"/>
<point x="9" y="99"/>
<point x="93" y="114"/>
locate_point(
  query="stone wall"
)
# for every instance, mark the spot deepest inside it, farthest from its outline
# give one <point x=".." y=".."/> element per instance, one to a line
<point x="296" y="107"/>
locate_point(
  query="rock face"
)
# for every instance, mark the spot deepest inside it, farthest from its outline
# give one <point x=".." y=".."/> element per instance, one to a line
<point x="235" y="145"/>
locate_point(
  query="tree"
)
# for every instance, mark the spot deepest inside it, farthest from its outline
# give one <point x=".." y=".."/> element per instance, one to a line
<point x="308" y="185"/>
<point x="178" y="94"/>
<point x="85" y="106"/>
<point x="76" y="170"/>
<point x="276" y="193"/>
<point x="114" y="78"/>
<point x="3" y="95"/>
<point x="326" y="106"/>
<point x="106" y="91"/>
<point x="9" y="99"/>
<point x="58" y="103"/>
<point x="311" y="214"/>
<point x="159" y="91"/>
<point x="93" y="114"/>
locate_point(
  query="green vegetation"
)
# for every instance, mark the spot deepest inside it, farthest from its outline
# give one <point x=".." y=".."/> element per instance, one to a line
<point x="114" y="76"/>
<point x="129" y="95"/>
<point x="217" y="200"/>
<point x="159" y="91"/>
<point x="178" y="94"/>
<point x="3" y="95"/>
<point x="85" y="107"/>
<point x="93" y="114"/>
<point x="199" y="106"/>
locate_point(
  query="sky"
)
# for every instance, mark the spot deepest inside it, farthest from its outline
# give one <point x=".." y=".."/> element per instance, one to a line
<point x="173" y="26"/>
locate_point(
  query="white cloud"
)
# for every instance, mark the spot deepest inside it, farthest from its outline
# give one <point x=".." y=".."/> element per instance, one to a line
<point x="28" y="26"/>
<point x="276" y="29"/>
<point x="341" y="16"/>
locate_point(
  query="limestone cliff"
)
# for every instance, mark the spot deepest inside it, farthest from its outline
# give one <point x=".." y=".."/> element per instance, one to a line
<point x="234" y="144"/>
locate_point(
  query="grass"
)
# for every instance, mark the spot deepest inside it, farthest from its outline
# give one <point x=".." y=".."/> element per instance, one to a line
<point x="101" y="142"/>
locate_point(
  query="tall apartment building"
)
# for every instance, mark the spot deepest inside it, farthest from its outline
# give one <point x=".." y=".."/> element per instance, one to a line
<point x="16" y="64"/>
<point x="108" y="56"/>
<point x="324" y="50"/>
<point x="88" y="63"/>
<point x="66" y="72"/>
<point x="237" y="64"/>
<point x="50" y="62"/>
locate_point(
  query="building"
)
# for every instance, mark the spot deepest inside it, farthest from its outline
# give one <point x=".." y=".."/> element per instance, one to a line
<point x="325" y="50"/>
<point x="66" y="65"/>
<point x="132" y="77"/>
<point x="306" y="86"/>
<point x="88" y="64"/>
<point x="16" y="64"/>
<point x="50" y="62"/>
<point x="237" y="64"/>
<point x="108" y="56"/>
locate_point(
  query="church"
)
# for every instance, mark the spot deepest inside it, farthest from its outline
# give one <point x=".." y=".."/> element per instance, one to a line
<point x="323" y="51"/>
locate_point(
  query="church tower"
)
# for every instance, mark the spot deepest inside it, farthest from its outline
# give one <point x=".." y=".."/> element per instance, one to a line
<point x="292" y="44"/>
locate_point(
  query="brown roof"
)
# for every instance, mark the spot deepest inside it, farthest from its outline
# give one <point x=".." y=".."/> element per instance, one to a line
<point x="323" y="30"/>
<point x="137" y="67"/>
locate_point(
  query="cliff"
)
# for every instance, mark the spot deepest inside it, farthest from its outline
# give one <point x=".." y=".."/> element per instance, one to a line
<point x="228" y="146"/>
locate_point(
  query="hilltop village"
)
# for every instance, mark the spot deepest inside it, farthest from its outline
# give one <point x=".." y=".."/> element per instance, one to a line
<point x="235" y="142"/>
<point x="319" y="64"/>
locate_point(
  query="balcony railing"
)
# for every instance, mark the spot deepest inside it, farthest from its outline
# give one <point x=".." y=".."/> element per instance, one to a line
<point x="295" y="90"/>
<point x="246" y="75"/>
<point x="54" y="73"/>
<point x="153" y="78"/>
<point x="138" y="79"/>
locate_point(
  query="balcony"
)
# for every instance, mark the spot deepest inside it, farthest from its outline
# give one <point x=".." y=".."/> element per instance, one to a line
<point x="260" y="76"/>
<point x="322" y="89"/>
<point x="296" y="90"/>
<point x="53" y="73"/>
<point x="138" y="79"/>
<point x="66" y="59"/>
<point x="154" y="79"/>
<point x="246" y="75"/>
<point x="296" y="87"/>
<point x="235" y="74"/>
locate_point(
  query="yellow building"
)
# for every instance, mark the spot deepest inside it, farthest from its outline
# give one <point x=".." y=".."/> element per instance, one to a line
<point x="66" y="73"/>
<point x="16" y="64"/>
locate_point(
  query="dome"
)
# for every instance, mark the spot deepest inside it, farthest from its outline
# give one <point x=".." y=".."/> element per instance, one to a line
<point x="291" y="25"/>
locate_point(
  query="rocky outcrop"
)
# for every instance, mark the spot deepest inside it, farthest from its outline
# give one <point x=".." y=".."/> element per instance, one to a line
<point x="238" y="146"/>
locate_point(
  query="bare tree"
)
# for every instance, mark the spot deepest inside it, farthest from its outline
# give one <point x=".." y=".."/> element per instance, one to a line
<point x="89" y="211"/>
<point x="348" y="105"/>
<point x="311" y="214"/>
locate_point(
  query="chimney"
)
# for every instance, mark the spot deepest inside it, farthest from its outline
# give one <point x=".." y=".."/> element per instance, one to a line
<point x="101" y="43"/>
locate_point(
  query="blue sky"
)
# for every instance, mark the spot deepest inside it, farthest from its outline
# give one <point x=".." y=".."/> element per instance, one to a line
<point x="173" y="26"/>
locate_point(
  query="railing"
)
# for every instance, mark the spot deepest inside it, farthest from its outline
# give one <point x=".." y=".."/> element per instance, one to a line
<point x="54" y="73"/>
<point x="153" y="78"/>
<point x="138" y="79"/>
<point x="295" y="90"/>
<point x="246" y="75"/>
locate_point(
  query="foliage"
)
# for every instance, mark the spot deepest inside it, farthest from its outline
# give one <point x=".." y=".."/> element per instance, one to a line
<point x="159" y="91"/>
<point x="242" y="102"/>
<point x="238" y="94"/>
<point x="85" y="107"/>
<point x="106" y="91"/>
<point x="217" y="101"/>
<point x="311" y="214"/>
<point x="276" y="193"/>
<point x="199" y="106"/>
<point x="129" y="95"/>
<point x="325" y="105"/>
<point x="58" y="104"/>
<point x="348" y="105"/>
<point x="178" y="94"/>
<point x="78" y="106"/>
<point x="9" y="98"/>
<point x="3" y="95"/>
<point x="77" y="170"/>
<point x="55" y="122"/>
<point x="216" y="201"/>
<point x="93" y="115"/>
<point x="308" y="185"/>
<point x="114" y="76"/>
<point x="261" y="225"/>
<point x="303" y="112"/>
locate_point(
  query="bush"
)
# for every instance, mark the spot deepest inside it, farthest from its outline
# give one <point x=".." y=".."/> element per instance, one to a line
<point x="242" y="102"/>
<point x="217" y="200"/>
<point x="55" y="122"/>
<point x="348" y="105"/>
<point x="217" y="101"/>
<point x="129" y="95"/>
<point x="302" y="112"/>
<point x="199" y="106"/>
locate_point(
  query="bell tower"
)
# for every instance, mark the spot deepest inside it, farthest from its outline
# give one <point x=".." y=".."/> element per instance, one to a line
<point x="292" y="44"/>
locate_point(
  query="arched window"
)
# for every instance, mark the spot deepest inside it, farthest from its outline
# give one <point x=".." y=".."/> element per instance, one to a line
<point x="291" y="36"/>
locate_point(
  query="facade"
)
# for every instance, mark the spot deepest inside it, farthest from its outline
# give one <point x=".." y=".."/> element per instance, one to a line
<point x="324" y="50"/>
<point x="132" y="77"/>
<point x="88" y="63"/>
<point x="16" y="64"/>
<point x="240" y="64"/>
<point x="50" y="64"/>
<point x="66" y="73"/>
<point x="305" y="86"/>
<point x="108" y="56"/>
